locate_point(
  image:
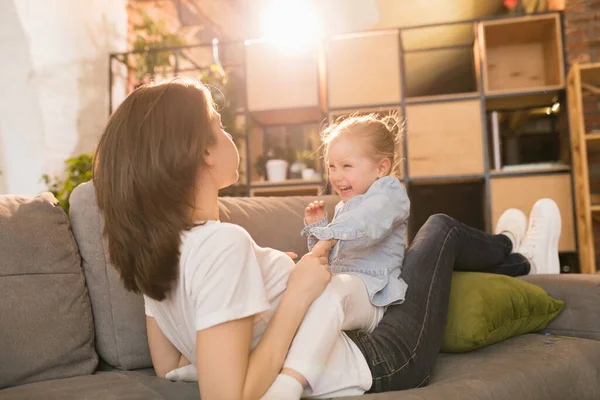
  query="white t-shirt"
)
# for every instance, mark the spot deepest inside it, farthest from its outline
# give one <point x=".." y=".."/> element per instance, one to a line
<point x="224" y="276"/>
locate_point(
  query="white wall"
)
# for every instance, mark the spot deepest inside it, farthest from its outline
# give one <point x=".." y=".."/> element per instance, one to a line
<point x="53" y="83"/>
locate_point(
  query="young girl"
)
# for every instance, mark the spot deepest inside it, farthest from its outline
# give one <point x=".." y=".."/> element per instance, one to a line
<point x="362" y="158"/>
<point x="232" y="308"/>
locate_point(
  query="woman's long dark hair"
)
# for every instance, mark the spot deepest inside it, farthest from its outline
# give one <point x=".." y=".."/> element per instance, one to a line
<point x="145" y="173"/>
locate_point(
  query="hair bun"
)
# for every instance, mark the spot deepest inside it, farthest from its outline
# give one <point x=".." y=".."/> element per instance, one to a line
<point x="393" y="123"/>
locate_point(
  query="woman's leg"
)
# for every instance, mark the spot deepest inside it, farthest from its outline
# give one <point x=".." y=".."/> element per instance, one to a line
<point x="402" y="350"/>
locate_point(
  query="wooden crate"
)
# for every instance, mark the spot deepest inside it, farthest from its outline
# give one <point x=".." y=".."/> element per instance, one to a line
<point x="364" y="69"/>
<point x="445" y="139"/>
<point x="284" y="85"/>
<point x="521" y="54"/>
<point x="523" y="191"/>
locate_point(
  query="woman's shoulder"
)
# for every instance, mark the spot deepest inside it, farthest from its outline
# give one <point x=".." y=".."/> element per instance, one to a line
<point x="210" y="242"/>
<point x="216" y="234"/>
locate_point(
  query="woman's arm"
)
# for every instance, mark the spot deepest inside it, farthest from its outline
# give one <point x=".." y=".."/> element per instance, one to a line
<point x="165" y="356"/>
<point x="226" y="368"/>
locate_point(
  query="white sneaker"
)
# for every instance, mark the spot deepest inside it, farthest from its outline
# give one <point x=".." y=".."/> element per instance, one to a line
<point x="512" y="223"/>
<point x="540" y="245"/>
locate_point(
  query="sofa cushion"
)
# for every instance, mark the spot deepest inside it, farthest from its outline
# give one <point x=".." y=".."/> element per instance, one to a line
<point x="581" y="293"/>
<point x="121" y="338"/>
<point x="131" y="385"/>
<point x="46" y="328"/>
<point x="273" y="221"/>
<point x="119" y="318"/>
<point x="487" y="308"/>
<point x="519" y="368"/>
<point x="524" y="367"/>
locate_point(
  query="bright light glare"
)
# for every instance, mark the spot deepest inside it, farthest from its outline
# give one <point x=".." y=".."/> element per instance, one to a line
<point x="291" y="22"/>
<point x="555" y="107"/>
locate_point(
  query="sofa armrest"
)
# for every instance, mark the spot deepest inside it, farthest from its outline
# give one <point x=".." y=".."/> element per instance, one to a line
<point x="581" y="294"/>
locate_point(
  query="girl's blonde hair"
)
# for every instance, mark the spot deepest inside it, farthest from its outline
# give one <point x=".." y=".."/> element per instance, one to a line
<point x="383" y="136"/>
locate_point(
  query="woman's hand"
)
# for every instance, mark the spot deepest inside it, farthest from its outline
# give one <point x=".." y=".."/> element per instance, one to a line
<point x="323" y="248"/>
<point x="309" y="278"/>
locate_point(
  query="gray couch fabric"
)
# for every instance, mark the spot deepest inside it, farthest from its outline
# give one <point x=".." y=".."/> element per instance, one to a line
<point x="522" y="368"/>
<point x="581" y="317"/>
<point x="119" y="318"/>
<point x="46" y="329"/>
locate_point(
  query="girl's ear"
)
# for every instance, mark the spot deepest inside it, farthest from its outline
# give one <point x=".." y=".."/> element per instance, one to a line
<point x="384" y="167"/>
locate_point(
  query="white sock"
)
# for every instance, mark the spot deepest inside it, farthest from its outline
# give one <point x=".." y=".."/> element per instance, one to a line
<point x="284" y="388"/>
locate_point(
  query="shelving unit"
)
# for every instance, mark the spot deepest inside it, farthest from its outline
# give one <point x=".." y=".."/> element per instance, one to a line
<point x="585" y="143"/>
<point x="458" y="119"/>
<point x="354" y="83"/>
<point x="507" y="43"/>
<point x="449" y="144"/>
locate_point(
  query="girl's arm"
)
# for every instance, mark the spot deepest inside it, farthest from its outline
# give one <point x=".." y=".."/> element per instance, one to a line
<point x="226" y="368"/>
<point x="385" y="205"/>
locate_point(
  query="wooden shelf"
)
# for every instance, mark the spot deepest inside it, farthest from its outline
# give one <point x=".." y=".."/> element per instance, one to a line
<point x="523" y="191"/>
<point x="286" y="183"/>
<point x="523" y="53"/>
<point x="525" y="170"/>
<point x="527" y="99"/>
<point x="364" y="69"/>
<point x="442" y="97"/>
<point x="590" y="73"/>
<point x="292" y="116"/>
<point x="284" y="85"/>
<point x="521" y="67"/>
<point x="445" y="139"/>
<point x="290" y="187"/>
<point x="593" y="141"/>
<point x="447" y="180"/>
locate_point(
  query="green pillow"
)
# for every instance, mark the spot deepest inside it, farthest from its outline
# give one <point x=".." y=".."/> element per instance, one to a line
<point x="488" y="308"/>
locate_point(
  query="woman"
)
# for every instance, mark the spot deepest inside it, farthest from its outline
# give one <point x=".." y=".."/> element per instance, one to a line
<point x="215" y="298"/>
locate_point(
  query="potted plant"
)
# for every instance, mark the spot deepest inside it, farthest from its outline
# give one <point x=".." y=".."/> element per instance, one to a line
<point x="77" y="170"/>
<point x="151" y="35"/>
<point x="308" y="158"/>
<point x="274" y="164"/>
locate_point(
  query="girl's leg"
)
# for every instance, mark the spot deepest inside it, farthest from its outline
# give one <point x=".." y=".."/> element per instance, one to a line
<point x="344" y="305"/>
<point x="402" y="350"/>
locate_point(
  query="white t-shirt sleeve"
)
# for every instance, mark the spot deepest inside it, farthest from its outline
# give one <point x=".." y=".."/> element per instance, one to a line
<point x="147" y="308"/>
<point x="225" y="283"/>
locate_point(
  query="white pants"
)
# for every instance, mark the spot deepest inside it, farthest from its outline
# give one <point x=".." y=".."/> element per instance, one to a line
<point x="343" y="305"/>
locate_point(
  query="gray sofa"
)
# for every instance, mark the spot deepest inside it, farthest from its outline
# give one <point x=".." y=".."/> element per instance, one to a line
<point x="68" y="329"/>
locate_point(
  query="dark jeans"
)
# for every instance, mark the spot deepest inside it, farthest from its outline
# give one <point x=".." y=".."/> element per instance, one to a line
<point x="402" y="350"/>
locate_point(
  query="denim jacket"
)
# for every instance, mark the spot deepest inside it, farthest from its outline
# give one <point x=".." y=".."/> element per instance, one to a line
<point x="371" y="233"/>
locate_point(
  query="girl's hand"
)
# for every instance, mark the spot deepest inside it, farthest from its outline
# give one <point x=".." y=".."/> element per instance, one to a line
<point x="309" y="278"/>
<point x="314" y="212"/>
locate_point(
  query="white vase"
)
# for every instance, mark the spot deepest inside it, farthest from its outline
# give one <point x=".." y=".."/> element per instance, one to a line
<point x="277" y="170"/>
<point x="309" y="174"/>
